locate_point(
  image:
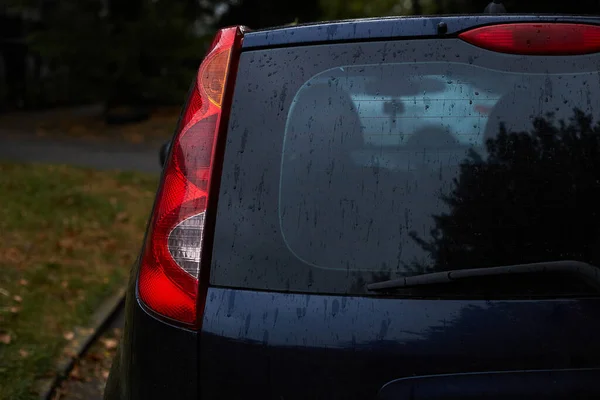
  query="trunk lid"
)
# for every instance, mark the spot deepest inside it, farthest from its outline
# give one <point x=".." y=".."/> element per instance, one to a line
<point x="356" y="162"/>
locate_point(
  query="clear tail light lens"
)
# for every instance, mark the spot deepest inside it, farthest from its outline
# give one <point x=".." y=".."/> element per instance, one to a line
<point x="185" y="244"/>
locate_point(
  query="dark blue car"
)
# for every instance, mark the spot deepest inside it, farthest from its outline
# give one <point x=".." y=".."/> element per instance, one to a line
<point x="394" y="208"/>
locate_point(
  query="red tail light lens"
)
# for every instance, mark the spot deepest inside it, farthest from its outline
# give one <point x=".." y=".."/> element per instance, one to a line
<point x="536" y="38"/>
<point x="170" y="261"/>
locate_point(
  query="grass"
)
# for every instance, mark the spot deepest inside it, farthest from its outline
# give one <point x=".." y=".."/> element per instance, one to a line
<point x="69" y="238"/>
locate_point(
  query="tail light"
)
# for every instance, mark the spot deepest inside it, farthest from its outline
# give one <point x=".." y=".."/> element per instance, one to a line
<point x="536" y="38"/>
<point x="168" y="281"/>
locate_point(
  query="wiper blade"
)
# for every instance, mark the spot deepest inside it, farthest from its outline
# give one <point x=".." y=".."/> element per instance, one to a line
<point x="574" y="267"/>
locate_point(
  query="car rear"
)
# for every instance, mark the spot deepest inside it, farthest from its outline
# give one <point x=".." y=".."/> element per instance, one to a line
<point x="311" y="161"/>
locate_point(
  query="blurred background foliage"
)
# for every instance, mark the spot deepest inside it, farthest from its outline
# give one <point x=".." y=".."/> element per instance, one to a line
<point x="141" y="53"/>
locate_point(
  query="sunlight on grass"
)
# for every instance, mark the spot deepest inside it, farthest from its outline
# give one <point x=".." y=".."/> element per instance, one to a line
<point x="69" y="238"/>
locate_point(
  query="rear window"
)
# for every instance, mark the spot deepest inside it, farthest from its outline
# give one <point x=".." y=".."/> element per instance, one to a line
<point x="351" y="163"/>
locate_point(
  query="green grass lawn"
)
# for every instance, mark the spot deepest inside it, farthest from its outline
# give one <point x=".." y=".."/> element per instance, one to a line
<point x="68" y="239"/>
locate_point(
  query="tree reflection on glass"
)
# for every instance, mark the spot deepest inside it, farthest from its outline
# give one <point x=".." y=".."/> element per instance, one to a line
<point x="534" y="197"/>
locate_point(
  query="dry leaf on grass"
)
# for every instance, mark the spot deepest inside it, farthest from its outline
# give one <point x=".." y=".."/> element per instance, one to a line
<point x="23" y="353"/>
<point x="109" y="344"/>
<point x="122" y="217"/>
<point x="13" y="255"/>
<point x="5" y="338"/>
<point x="4" y="292"/>
<point x="69" y="335"/>
<point x="17" y="298"/>
<point x="23" y="282"/>
<point x="66" y="243"/>
<point x="15" y="309"/>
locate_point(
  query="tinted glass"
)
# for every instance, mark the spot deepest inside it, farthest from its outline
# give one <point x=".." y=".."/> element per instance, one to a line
<point x="350" y="163"/>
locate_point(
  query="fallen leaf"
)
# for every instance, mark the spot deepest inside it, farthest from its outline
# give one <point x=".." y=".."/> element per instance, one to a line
<point x="66" y="243"/>
<point x="23" y="282"/>
<point x="15" y="309"/>
<point x="122" y="216"/>
<point x="69" y="335"/>
<point x="5" y="338"/>
<point x="40" y="132"/>
<point x="64" y="284"/>
<point x="4" y="292"/>
<point x="75" y="373"/>
<point x="94" y="356"/>
<point x="23" y="353"/>
<point x="109" y="344"/>
<point x="110" y="244"/>
<point x="13" y="255"/>
<point x="17" y="298"/>
<point x="135" y="137"/>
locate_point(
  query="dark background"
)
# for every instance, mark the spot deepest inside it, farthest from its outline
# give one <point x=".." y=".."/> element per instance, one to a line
<point x="143" y="52"/>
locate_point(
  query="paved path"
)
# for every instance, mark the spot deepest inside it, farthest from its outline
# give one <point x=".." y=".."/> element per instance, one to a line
<point x="125" y="156"/>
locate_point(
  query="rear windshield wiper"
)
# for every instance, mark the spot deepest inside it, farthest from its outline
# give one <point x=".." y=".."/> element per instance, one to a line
<point x="582" y="269"/>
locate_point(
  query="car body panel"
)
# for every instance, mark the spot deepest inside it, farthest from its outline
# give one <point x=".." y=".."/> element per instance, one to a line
<point x="294" y="346"/>
<point x="154" y="358"/>
<point x="389" y="28"/>
<point x="559" y="384"/>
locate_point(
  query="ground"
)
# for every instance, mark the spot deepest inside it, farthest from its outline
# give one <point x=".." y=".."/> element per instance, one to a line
<point x="88" y="378"/>
<point x="101" y="154"/>
<point x="70" y="236"/>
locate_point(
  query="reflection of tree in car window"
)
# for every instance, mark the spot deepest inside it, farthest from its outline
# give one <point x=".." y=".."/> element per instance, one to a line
<point x="535" y="198"/>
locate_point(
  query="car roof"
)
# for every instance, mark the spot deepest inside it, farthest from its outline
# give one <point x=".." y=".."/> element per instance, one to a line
<point x="390" y="28"/>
